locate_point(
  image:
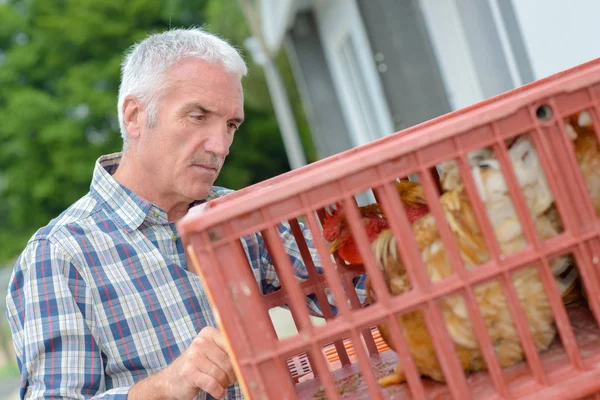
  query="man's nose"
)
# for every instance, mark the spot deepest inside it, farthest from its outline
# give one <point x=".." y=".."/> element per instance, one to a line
<point x="218" y="142"/>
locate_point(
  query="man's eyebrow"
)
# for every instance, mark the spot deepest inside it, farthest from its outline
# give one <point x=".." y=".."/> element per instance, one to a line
<point x="197" y="106"/>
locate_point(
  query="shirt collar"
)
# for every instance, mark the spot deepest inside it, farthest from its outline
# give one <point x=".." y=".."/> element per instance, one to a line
<point x="128" y="209"/>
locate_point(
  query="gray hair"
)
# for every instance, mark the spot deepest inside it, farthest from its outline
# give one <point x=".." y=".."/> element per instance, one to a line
<point x="145" y="64"/>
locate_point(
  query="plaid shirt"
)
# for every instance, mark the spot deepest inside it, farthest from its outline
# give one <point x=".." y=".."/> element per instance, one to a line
<point x="101" y="297"/>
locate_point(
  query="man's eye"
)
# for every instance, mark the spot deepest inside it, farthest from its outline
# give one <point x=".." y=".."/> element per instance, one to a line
<point x="232" y="126"/>
<point x="198" y="117"/>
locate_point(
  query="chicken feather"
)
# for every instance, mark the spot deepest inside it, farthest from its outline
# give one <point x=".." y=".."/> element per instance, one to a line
<point x="489" y="296"/>
<point x="493" y="191"/>
<point x="587" y="153"/>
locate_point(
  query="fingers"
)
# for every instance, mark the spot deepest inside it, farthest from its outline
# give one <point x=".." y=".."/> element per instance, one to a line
<point x="215" y="365"/>
<point x="219" y="340"/>
<point x="211" y="379"/>
<point x="196" y="369"/>
<point x="209" y="384"/>
<point x="210" y="332"/>
<point x="214" y="358"/>
<point x="204" y="365"/>
<point x="216" y="336"/>
<point x="221" y="360"/>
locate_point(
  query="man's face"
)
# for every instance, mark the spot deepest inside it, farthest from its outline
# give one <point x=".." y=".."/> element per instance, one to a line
<point x="197" y="119"/>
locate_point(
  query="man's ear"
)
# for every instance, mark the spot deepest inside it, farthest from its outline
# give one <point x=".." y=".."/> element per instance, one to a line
<point x="131" y="116"/>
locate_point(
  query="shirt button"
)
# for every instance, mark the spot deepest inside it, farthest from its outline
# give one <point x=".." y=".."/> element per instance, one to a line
<point x="174" y="237"/>
<point x="155" y="213"/>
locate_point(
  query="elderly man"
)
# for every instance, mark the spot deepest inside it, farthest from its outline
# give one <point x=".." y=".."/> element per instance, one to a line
<point x="101" y="304"/>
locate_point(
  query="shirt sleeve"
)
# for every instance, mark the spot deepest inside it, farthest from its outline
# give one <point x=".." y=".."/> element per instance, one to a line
<point x="268" y="276"/>
<point x="50" y="315"/>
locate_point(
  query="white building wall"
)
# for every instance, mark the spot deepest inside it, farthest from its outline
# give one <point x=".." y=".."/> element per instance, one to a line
<point x="559" y="34"/>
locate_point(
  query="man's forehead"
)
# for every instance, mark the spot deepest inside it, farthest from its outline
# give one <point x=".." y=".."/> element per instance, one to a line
<point x="209" y="84"/>
<point x="191" y="67"/>
<point x="222" y="84"/>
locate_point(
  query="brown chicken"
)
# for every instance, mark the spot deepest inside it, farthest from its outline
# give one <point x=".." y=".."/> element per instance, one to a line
<point x="489" y="296"/>
<point x="462" y="221"/>
<point x="493" y="191"/>
<point x="580" y="129"/>
<point x="337" y="231"/>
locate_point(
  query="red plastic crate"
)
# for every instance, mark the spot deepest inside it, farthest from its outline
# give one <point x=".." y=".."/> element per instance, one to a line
<point x="569" y="369"/>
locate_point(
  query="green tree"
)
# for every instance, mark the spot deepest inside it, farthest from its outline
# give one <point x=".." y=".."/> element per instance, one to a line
<point x="59" y="75"/>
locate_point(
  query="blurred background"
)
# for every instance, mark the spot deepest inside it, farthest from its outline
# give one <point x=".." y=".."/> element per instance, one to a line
<point x="325" y="76"/>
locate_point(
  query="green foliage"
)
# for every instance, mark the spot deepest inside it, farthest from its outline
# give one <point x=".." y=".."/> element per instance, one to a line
<point x="59" y="76"/>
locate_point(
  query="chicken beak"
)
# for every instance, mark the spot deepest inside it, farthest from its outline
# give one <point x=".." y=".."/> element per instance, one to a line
<point x="333" y="246"/>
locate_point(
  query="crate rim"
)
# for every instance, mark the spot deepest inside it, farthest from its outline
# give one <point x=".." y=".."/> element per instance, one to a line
<point x="292" y="183"/>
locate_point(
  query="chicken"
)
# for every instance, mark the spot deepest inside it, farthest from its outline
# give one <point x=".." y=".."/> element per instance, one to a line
<point x="493" y="191"/>
<point x="587" y="152"/>
<point x="580" y="130"/>
<point x="338" y="233"/>
<point x="459" y="213"/>
<point x="489" y="296"/>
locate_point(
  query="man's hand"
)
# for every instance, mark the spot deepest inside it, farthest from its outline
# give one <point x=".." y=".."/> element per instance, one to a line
<point x="205" y="365"/>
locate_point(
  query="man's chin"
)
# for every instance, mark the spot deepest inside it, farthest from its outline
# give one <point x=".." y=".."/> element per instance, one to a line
<point x="199" y="191"/>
